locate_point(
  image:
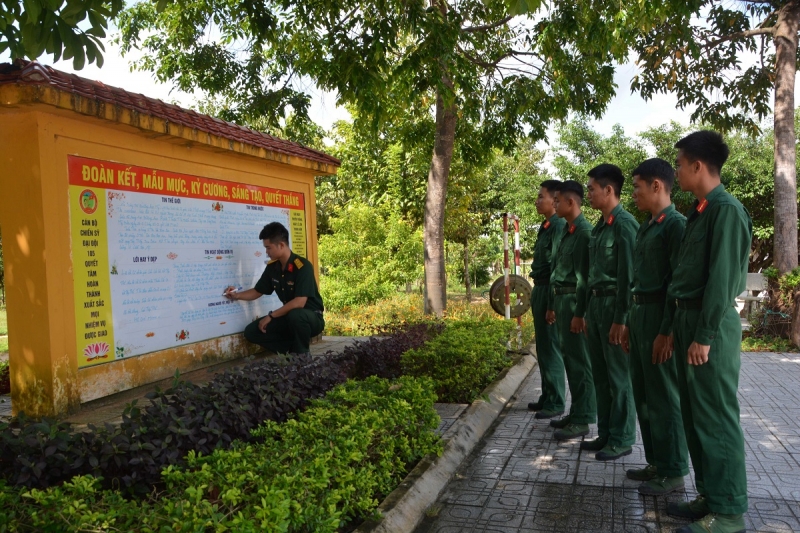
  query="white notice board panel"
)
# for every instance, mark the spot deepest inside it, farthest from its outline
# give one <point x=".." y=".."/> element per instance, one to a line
<point x="153" y="251"/>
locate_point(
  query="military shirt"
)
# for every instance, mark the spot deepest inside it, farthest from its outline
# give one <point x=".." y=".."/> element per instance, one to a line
<point x="297" y="279"/>
<point x="656" y="256"/>
<point x="548" y="235"/>
<point x="571" y="262"/>
<point x="713" y="259"/>
<point x="611" y="258"/>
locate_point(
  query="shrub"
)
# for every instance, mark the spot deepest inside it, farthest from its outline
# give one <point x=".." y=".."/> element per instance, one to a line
<point x="380" y="356"/>
<point x="371" y="252"/>
<point x="327" y="466"/>
<point x="400" y="308"/>
<point x="463" y="359"/>
<point x="180" y="419"/>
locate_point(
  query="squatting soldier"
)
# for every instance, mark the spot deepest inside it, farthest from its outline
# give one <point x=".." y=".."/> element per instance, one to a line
<point x="289" y="328"/>
<point x="653" y="372"/>
<point x="711" y="271"/>
<point x="610" y="277"/>
<point x="548" y="349"/>
<point x="566" y="308"/>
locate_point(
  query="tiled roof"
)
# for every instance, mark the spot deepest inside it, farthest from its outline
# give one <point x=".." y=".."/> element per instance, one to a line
<point x="24" y="72"/>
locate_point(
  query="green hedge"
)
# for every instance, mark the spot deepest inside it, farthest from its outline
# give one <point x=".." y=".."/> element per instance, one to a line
<point x="331" y="464"/>
<point x="463" y="359"/>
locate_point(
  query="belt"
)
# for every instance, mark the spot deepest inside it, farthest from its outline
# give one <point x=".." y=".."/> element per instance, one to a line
<point x="565" y="290"/>
<point x="603" y="291"/>
<point x="696" y="303"/>
<point x="541" y="281"/>
<point x="650" y="298"/>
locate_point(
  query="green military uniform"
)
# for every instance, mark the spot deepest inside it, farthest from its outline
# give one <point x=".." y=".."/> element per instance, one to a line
<point x="568" y="299"/>
<point x="548" y="349"/>
<point x="711" y="272"/>
<point x="655" y="387"/>
<point x="293" y="331"/>
<point x="610" y="277"/>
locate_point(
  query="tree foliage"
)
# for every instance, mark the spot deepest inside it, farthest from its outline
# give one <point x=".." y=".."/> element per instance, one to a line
<point x="68" y="29"/>
<point x="698" y="53"/>
<point x="370" y="252"/>
<point x="487" y="75"/>
<point x="727" y="60"/>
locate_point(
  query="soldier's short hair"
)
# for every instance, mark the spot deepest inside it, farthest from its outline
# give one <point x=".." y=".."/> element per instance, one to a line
<point x="656" y="169"/>
<point x="607" y="174"/>
<point x="572" y="187"/>
<point x="274" y="232"/>
<point x="551" y="186"/>
<point x="706" y="146"/>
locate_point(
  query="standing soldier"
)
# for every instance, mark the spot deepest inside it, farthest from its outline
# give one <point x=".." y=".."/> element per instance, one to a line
<point x="566" y="308"/>
<point x="610" y="277"/>
<point x="711" y="271"/>
<point x="548" y="350"/>
<point x="653" y="373"/>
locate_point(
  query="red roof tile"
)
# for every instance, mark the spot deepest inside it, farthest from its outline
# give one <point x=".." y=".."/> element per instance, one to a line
<point x="33" y="73"/>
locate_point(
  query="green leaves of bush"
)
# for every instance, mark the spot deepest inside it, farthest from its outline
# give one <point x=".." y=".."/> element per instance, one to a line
<point x="463" y="359"/>
<point x="183" y="418"/>
<point x="327" y="466"/>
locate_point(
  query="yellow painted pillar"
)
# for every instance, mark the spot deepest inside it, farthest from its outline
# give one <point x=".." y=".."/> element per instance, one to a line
<point x="43" y="374"/>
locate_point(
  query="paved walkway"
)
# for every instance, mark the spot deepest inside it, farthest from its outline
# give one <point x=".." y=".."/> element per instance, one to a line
<point x="519" y="479"/>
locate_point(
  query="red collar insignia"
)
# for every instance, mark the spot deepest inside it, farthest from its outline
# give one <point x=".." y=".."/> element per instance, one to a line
<point x="290" y="268"/>
<point x="661" y="218"/>
<point x="547" y="224"/>
<point x="702" y="205"/>
<point x="610" y="220"/>
<point x="572" y="228"/>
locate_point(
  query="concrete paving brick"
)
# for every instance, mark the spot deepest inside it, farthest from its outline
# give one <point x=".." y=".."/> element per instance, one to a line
<point x="525" y="481"/>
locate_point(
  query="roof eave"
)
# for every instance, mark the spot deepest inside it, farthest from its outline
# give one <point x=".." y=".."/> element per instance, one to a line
<point x="14" y="94"/>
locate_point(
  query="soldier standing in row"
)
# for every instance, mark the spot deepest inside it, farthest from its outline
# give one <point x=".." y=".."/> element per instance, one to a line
<point x="610" y="277"/>
<point x="711" y="272"/>
<point x="567" y="307"/>
<point x="653" y="370"/>
<point x="548" y="348"/>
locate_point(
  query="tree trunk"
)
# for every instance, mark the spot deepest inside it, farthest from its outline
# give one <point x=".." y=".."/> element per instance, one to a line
<point x="467" y="284"/>
<point x="433" y="225"/>
<point x="785" y="152"/>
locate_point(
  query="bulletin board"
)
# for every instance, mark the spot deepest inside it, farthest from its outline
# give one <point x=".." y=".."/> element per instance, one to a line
<point x="153" y="250"/>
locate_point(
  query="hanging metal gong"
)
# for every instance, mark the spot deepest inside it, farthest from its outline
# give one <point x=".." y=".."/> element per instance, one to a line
<point x="519" y="292"/>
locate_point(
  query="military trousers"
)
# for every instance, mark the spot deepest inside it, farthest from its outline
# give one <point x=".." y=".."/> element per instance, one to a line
<point x="576" y="363"/>
<point x="710" y="409"/>
<point x="548" y="352"/>
<point x="290" y="333"/>
<point x="616" y="413"/>
<point x="656" y="394"/>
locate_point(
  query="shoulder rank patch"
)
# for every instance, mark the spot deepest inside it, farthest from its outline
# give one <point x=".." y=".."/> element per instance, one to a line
<point x="661" y="218"/>
<point x="702" y="205"/>
<point x="546" y="224"/>
<point x="298" y="263"/>
<point x="610" y="220"/>
<point x="572" y="228"/>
